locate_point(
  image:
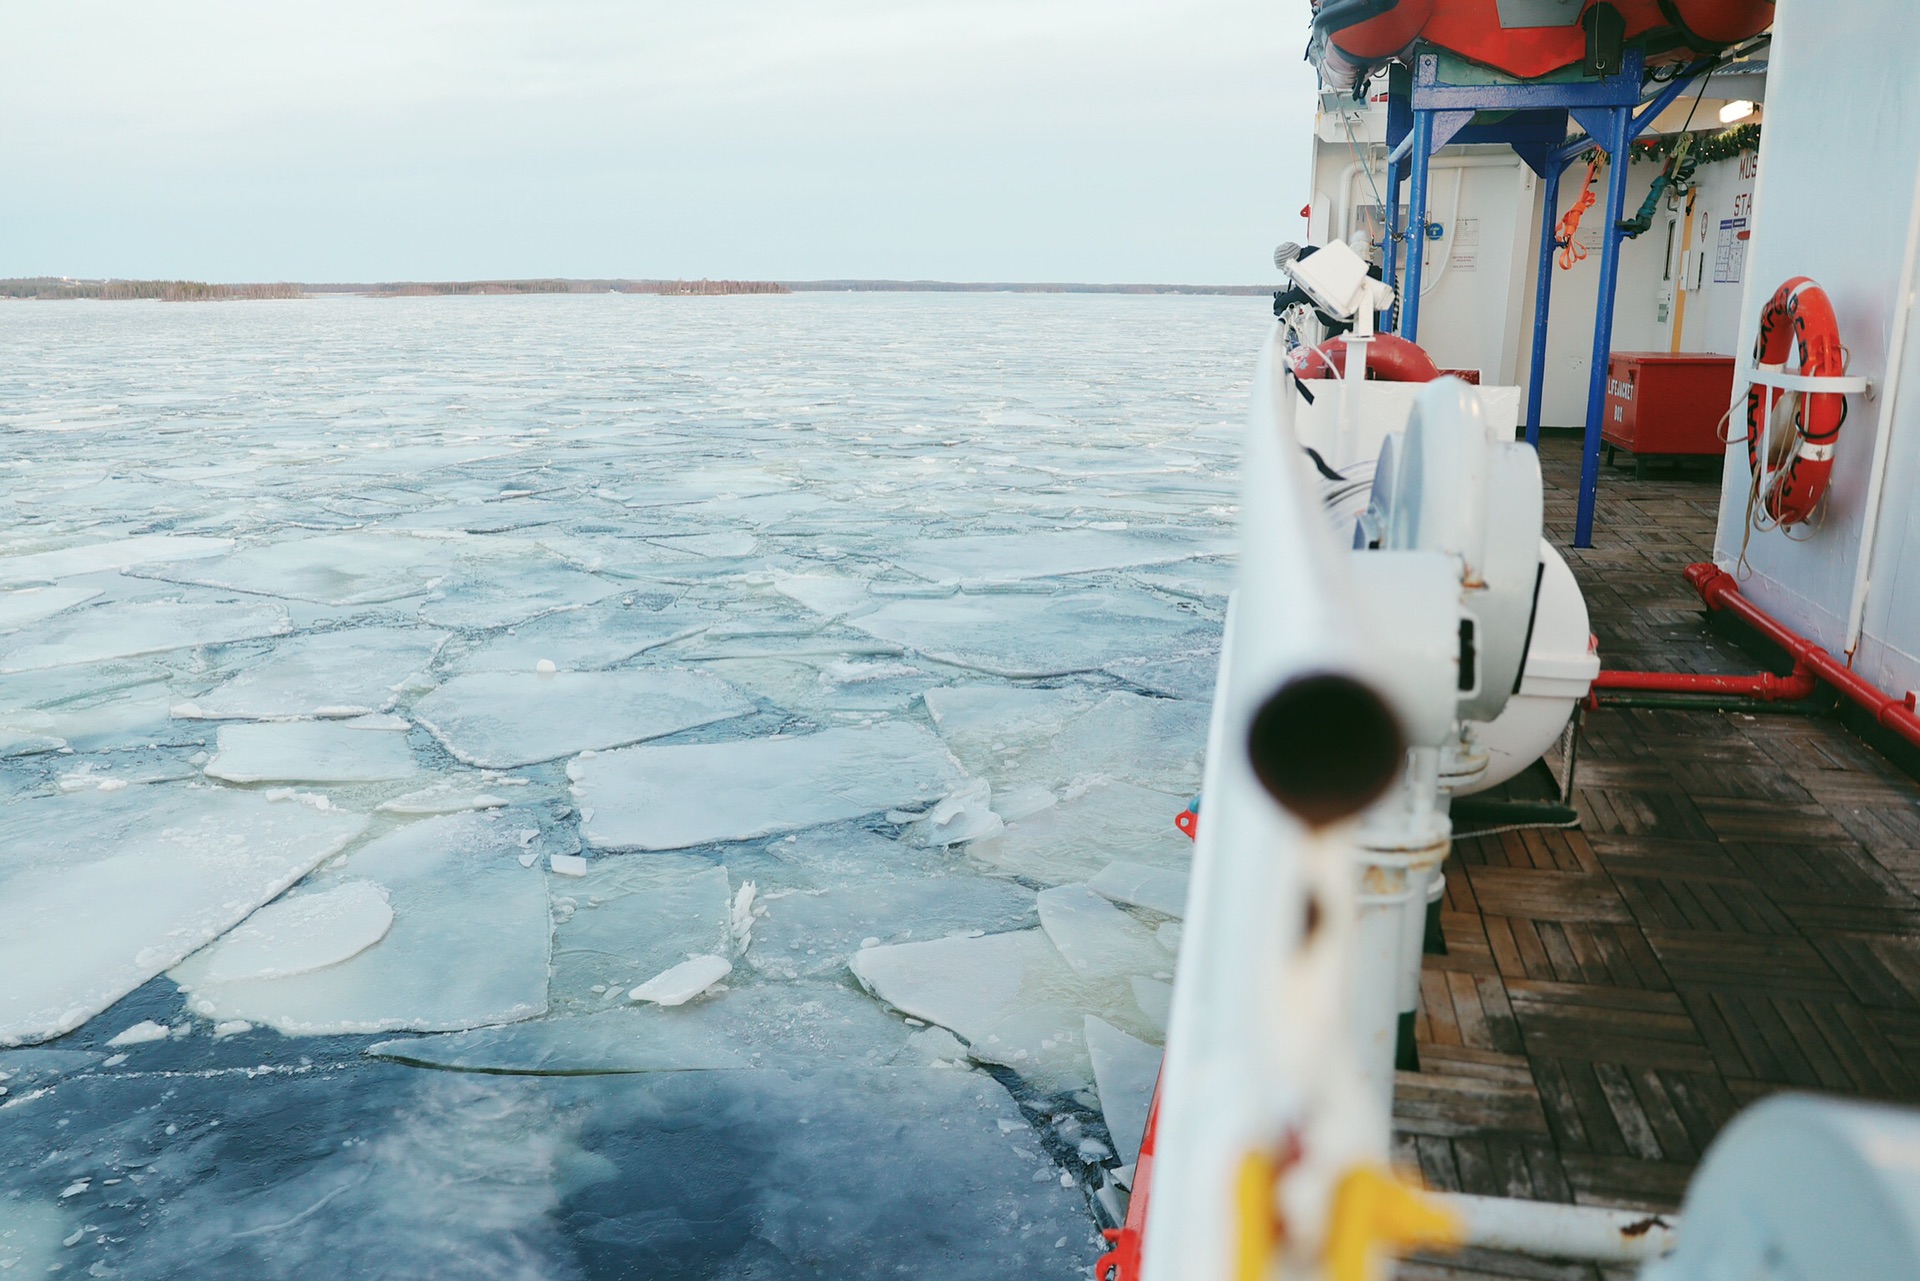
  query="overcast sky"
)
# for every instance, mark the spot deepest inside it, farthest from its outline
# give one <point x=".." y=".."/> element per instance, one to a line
<point x="1097" y="140"/>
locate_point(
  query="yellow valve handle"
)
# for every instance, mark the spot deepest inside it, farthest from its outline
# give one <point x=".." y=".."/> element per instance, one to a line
<point x="1372" y="1211"/>
<point x="1259" y="1225"/>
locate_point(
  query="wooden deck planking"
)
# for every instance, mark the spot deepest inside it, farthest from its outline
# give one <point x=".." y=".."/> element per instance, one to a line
<point x="1738" y="913"/>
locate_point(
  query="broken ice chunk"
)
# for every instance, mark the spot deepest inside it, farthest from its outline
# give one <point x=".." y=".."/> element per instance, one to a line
<point x="447" y="796"/>
<point x="1124" y="1070"/>
<point x="1158" y="889"/>
<point x="1010" y="996"/>
<point x="121" y="629"/>
<point x="1155" y="742"/>
<point x="1040" y="553"/>
<point x="641" y="916"/>
<point x="302" y="933"/>
<point x="987" y="724"/>
<point x="1155" y="999"/>
<point x="468" y="945"/>
<point x="1032" y="635"/>
<point x="1097" y="939"/>
<point x="107" y="889"/>
<point x="31" y="604"/>
<point x="830" y="594"/>
<point x="966" y="815"/>
<point x="581" y="639"/>
<point x="506" y="719"/>
<point x="518" y="593"/>
<point x="567" y="864"/>
<point x="787" y="1025"/>
<point x="1088" y="829"/>
<point x="333" y="569"/>
<point x="141" y="1033"/>
<point x="343" y="673"/>
<point x="684" y="981"/>
<point x="119" y="553"/>
<point x="671" y="797"/>
<point x="310" y="752"/>
<point x="814" y="932"/>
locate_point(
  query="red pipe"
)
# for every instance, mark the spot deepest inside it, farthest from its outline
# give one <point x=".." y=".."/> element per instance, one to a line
<point x="1766" y="686"/>
<point x="1719" y="591"/>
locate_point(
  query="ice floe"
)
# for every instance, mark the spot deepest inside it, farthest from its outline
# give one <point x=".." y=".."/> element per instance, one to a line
<point x="1021" y="635"/>
<point x="684" y="981"/>
<point x="333" y="569"/>
<point x="303" y="932"/>
<point x="504" y="719"/>
<point x="1034" y="554"/>
<point x="818" y="931"/>
<point x="31" y="604"/>
<point x="627" y="919"/>
<point x="468" y="944"/>
<point x="789" y="1024"/>
<point x="119" y="553"/>
<point x="105" y="890"/>
<point x="311" y="752"/>
<point x="678" y="796"/>
<point x="1097" y="939"/>
<point x="1158" y="889"/>
<point x="1090" y="827"/>
<point x="323" y="674"/>
<point x="122" y="629"/>
<point x="1125" y="1069"/>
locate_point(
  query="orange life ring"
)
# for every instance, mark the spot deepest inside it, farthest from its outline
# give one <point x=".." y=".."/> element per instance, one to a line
<point x="1390" y="358"/>
<point x="1798" y="311"/>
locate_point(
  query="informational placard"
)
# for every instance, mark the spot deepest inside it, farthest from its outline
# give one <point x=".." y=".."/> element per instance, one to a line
<point x="1465" y="252"/>
<point x="1730" y="254"/>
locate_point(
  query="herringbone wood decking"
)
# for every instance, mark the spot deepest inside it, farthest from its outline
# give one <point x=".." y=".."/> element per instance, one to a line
<point x="1737" y="914"/>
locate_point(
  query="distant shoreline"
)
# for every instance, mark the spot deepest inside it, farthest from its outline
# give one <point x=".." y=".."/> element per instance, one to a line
<point x="61" y="288"/>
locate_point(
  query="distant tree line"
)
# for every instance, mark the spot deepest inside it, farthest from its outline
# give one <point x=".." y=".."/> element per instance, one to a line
<point x="441" y="288"/>
<point x="58" y="287"/>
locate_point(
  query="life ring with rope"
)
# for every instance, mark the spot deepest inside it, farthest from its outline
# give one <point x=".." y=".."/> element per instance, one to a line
<point x="1390" y="358"/>
<point x="1801" y="461"/>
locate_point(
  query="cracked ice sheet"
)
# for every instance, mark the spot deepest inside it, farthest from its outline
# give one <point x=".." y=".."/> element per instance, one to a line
<point x="1088" y="829"/>
<point x="333" y="569"/>
<point x="789" y="1024"/>
<point x="1030" y="635"/>
<point x="330" y="674"/>
<point x="1036" y="554"/>
<point x="815" y="932"/>
<point x="1009" y="996"/>
<point x="515" y="593"/>
<point x="1125" y="1070"/>
<point x="311" y="752"/>
<point x="389" y="1171"/>
<point x="107" y="889"/>
<point x="627" y="920"/>
<point x="31" y="604"/>
<point x="504" y="719"/>
<point x="1056" y="736"/>
<point x="124" y="629"/>
<point x="468" y="945"/>
<point x="661" y="798"/>
<point x="583" y="639"/>
<point x="121" y="553"/>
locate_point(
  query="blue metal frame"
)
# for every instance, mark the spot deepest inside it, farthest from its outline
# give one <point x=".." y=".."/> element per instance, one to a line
<point x="1434" y="113"/>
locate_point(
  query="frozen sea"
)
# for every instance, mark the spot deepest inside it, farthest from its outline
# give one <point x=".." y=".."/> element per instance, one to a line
<point x="593" y="787"/>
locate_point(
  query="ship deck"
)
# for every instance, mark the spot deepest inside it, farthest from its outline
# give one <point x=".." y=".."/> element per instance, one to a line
<point x="1735" y="915"/>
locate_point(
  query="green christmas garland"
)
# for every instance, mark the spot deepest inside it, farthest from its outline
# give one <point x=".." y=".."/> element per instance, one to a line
<point x="1707" y="147"/>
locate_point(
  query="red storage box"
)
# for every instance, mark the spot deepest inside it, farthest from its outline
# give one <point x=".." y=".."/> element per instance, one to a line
<point x="1666" y="402"/>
